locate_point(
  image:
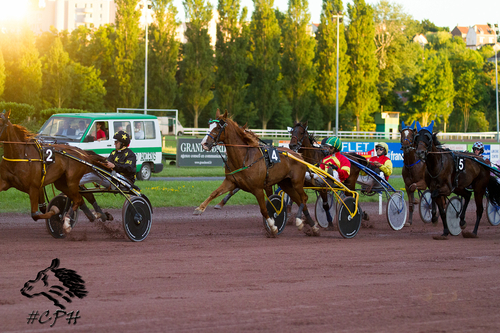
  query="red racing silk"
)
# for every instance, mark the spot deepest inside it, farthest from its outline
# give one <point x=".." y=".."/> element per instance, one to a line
<point x="342" y="163"/>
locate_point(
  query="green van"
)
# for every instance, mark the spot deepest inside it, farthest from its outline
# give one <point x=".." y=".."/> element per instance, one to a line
<point x="83" y="130"/>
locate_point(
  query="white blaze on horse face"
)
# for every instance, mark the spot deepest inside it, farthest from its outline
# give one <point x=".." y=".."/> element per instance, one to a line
<point x="204" y="141"/>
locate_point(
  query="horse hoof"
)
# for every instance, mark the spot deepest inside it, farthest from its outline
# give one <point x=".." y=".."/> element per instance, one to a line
<point x="197" y="211"/>
<point x="365" y="217"/>
<point x="217" y="206"/>
<point x="55" y="210"/>
<point x="442" y="237"/>
<point x="109" y="217"/>
<point x="299" y="223"/>
<point x="407" y="224"/>
<point x="468" y="234"/>
<point x="463" y="226"/>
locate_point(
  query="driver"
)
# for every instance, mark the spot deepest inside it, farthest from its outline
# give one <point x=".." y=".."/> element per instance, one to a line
<point x="379" y="163"/>
<point x="336" y="164"/>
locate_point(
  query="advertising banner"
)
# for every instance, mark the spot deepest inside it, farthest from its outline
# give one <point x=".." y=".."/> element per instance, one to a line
<point x="190" y="153"/>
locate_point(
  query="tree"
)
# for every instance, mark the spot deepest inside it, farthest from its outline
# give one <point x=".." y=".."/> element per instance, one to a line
<point x="128" y="63"/>
<point x="326" y="60"/>
<point x="432" y="94"/>
<point x="299" y="71"/>
<point x="265" y="67"/>
<point x="197" y="66"/>
<point x="232" y="57"/>
<point x="2" y="73"/>
<point x="362" y="95"/>
<point x="56" y="76"/>
<point x="466" y="95"/>
<point x="87" y="88"/>
<point x="102" y="51"/>
<point x="163" y="54"/>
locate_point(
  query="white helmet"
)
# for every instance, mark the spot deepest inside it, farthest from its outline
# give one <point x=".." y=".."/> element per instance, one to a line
<point x="479" y="146"/>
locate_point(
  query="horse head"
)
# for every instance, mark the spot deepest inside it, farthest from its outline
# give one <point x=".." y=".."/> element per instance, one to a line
<point x="4" y="123"/>
<point x="424" y="140"/>
<point x="407" y="136"/>
<point x="215" y="133"/>
<point x="299" y="133"/>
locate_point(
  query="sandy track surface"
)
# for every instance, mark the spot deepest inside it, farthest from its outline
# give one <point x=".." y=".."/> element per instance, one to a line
<point x="219" y="273"/>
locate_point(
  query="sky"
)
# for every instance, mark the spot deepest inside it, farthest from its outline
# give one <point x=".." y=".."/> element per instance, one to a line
<point x="443" y="13"/>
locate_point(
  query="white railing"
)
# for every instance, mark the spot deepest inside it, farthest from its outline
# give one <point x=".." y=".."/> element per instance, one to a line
<point x="275" y="133"/>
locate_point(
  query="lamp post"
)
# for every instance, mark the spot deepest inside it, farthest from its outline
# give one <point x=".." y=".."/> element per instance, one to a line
<point x="338" y="17"/>
<point x="496" y="85"/>
<point x="146" y="7"/>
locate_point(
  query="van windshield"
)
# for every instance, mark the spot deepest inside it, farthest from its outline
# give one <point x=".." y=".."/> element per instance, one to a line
<point x="64" y="128"/>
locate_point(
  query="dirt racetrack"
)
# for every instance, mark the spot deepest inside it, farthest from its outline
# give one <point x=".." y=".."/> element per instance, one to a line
<point x="219" y="273"/>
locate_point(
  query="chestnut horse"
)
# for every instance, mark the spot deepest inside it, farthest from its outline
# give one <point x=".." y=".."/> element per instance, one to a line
<point x="25" y="168"/>
<point x="251" y="173"/>
<point x="450" y="172"/>
<point x="413" y="168"/>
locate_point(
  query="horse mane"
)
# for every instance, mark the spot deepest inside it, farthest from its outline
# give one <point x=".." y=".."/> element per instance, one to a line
<point x="23" y="133"/>
<point x="249" y="137"/>
<point x="435" y="139"/>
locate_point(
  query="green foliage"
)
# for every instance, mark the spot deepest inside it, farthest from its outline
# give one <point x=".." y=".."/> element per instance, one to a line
<point x="265" y="89"/>
<point x="19" y="112"/>
<point x="47" y="113"/>
<point x="163" y="54"/>
<point x="197" y="66"/>
<point x="129" y="56"/>
<point x="87" y="89"/>
<point x="2" y="73"/>
<point x="299" y="71"/>
<point x="362" y="95"/>
<point x="232" y="58"/>
<point x="326" y="60"/>
<point x="56" y="76"/>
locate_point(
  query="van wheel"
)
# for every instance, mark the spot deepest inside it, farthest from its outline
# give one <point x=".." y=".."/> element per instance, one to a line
<point x="180" y="133"/>
<point x="145" y="172"/>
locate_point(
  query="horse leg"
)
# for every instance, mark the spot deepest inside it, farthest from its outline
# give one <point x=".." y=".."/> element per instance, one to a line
<point x="99" y="213"/>
<point x="326" y="207"/>
<point x="42" y="206"/>
<point x="34" y="193"/>
<point x="466" y="195"/>
<point x="298" y="195"/>
<point x="226" y="199"/>
<point x="411" y="199"/>
<point x="440" y="201"/>
<point x="226" y="186"/>
<point x="478" y="197"/>
<point x="259" y="195"/>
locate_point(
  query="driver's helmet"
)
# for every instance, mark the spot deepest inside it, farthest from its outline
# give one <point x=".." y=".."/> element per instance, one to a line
<point x="383" y="145"/>
<point x="123" y="137"/>
<point x="478" y="145"/>
<point x="334" y="142"/>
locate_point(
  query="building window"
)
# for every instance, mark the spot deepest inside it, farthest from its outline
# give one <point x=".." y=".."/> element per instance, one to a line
<point x="101" y="5"/>
<point x="101" y="16"/>
<point x="481" y="39"/>
<point x="90" y="15"/>
<point x="76" y="5"/>
<point x="91" y="5"/>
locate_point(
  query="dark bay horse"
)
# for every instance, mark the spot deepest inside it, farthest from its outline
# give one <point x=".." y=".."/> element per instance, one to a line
<point x="251" y="173"/>
<point x="450" y="172"/>
<point x="413" y="167"/>
<point x="25" y="168"/>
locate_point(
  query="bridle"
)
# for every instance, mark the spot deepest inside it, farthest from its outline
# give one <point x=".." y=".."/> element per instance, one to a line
<point x="292" y="131"/>
<point x="426" y="139"/>
<point x="404" y="138"/>
<point x="221" y="125"/>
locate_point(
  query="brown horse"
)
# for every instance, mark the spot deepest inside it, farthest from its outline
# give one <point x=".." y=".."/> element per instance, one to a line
<point x="27" y="167"/>
<point x="449" y="172"/>
<point x="413" y="168"/>
<point x="251" y="173"/>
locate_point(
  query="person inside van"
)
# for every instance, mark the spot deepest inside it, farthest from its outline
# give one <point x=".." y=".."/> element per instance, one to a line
<point x="66" y="130"/>
<point x="100" y="134"/>
<point x="138" y="132"/>
<point x="82" y="127"/>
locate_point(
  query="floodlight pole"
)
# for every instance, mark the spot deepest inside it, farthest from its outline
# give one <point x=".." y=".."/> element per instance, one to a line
<point x="338" y="16"/>
<point x="146" y="60"/>
<point x="496" y="79"/>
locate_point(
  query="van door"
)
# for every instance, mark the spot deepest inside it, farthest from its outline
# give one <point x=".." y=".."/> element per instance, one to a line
<point x="98" y="139"/>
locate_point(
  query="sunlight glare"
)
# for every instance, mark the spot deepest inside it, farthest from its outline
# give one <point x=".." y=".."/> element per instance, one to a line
<point x="13" y="10"/>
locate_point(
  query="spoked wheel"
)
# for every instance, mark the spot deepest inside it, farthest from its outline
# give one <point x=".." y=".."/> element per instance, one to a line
<point x="320" y="213"/>
<point x="493" y="213"/>
<point x="55" y="223"/>
<point x="137" y="218"/>
<point x="425" y="207"/>
<point x="349" y="226"/>
<point x="274" y="207"/>
<point x="453" y="210"/>
<point x="396" y="211"/>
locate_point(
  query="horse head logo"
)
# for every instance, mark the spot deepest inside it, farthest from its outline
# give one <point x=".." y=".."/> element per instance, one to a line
<point x="57" y="284"/>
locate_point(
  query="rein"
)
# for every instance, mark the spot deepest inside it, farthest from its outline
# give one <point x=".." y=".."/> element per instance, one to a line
<point x="29" y="160"/>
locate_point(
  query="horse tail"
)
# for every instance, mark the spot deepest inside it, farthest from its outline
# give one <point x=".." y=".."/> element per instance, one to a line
<point x="95" y="158"/>
<point x="494" y="191"/>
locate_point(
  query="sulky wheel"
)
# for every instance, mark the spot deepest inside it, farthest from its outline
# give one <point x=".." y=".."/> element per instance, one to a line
<point x="493" y="213"/>
<point x="55" y="223"/>
<point x="396" y="211"/>
<point x="320" y="213"/>
<point x="349" y="226"/>
<point x="137" y="218"/>
<point x="425" y="207"/>
<point x="273" y="206"/>
<point x="453" y="210"/>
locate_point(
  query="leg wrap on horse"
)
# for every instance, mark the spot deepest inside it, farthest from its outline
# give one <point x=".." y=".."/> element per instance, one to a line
<point x="42" y="208"/>
<point x="98" y="209"/>
<point x="298" y="218"/>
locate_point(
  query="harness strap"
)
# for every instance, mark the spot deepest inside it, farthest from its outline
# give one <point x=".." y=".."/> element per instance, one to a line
<point x="409" y="166"/>
<point x="44" y="166"/>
